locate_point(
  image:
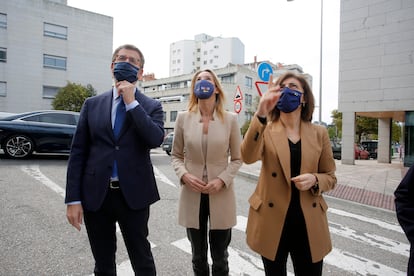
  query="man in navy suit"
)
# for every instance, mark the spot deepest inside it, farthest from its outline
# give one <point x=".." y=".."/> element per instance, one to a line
<point x="404" y="206"/>
<point x="110" y="177"/>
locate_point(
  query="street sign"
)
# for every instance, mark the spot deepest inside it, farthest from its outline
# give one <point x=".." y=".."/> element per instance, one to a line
<point x="264" y="71"/>
<point x="239" y="95"/>
<point x="261" y="87"/>
<point x="237" y="106"/>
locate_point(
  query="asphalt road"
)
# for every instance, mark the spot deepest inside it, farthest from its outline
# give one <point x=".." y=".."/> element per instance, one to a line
<point x="37" y="240"/>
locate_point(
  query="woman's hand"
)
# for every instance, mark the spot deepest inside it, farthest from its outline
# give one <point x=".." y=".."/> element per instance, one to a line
<point x="194" y="183"/>
<point x="269" y="99"/>
<point x="304" y="181"/>
<point x="214" y="186"/>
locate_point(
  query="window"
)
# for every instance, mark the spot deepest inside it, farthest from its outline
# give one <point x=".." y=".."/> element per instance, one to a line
<point x="248" y="99"/>
<point x="164" y="116"/>
<point x="3" y="21"/>
<point x="54" y="62"/>
<point x="50" y="92"/>
<point x="57" y="118"/>
<point x="248" y="82"/>
<point x="227" y="79"/>
<point x="56" y="31"/>
<point x="173" y="116"/>
<point x="3" y="55"/>
<point x="3" y="88"/>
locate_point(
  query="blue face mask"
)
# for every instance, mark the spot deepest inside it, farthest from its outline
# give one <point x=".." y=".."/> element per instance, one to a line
<point x="203" y="89"/>
<point x="289" y="100"/>
<point x="125" y="71"/>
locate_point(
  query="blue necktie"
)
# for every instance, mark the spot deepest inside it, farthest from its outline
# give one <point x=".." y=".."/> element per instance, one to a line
<point x="119" y="120"/>
<point x="119" y="117"/>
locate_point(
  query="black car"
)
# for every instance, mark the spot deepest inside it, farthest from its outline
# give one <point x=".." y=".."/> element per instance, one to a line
<point x="47" y="131"/>
<point x="167" y="144"/>
<point x="336" y="150"/>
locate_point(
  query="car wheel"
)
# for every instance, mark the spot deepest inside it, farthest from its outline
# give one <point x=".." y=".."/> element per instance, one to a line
<point x="18" y="146"/>
<point x="168" y="152"/>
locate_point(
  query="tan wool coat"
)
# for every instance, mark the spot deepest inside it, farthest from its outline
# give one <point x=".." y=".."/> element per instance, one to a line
<point x="270" y="200"/>
<point x="223" y="160"/>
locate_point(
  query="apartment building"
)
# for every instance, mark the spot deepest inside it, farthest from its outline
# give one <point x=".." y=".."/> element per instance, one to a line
<point x="376" y="72"/>
<point x="188" y="56"/>
<point x="43" y="45"/>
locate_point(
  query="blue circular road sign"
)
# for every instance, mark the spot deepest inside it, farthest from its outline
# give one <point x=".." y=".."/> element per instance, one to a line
<point x="264" y="71"/>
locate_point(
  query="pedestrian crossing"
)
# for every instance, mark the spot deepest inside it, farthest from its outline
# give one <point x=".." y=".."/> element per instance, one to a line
<point x="244" y="263"/>
<point x="381" y="240"/>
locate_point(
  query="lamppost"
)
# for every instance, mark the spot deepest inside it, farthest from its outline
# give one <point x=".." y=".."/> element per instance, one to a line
<point x="320" y="65"/>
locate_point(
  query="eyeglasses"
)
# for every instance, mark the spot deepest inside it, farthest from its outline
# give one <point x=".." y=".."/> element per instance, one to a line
<point x="123" y="58"/>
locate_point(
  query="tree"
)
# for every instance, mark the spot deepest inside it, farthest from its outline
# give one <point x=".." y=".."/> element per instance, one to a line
<point x="366" y="126"/>
<point x="72" y="96"/>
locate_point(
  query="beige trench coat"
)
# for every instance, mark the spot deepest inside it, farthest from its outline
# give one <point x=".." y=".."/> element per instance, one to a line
<point x="223" y="160"/>
<point x="270" y="201"/>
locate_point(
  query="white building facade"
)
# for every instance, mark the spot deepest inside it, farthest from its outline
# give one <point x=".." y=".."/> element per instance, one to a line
<point x="188" y="56"/>
<point x="376" y="72"/>
<point x="43" y="45"/>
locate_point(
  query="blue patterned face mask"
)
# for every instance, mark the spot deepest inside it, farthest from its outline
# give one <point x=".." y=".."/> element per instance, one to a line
<point x="126" y="71"/>
<point x="289" y="101"/>
<point x="203" y="89"/>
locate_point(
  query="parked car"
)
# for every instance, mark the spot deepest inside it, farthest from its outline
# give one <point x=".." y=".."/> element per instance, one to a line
<point x="167" y="143"/>
<point x="361" y="153"/>
<point x="46" y="131"/>
<point x="371" y="146"/>
<point x="336" y="150"/>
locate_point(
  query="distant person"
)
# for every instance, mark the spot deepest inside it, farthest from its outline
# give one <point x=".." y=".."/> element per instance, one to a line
<point x="206" y="158"/>
<point x="287" y="212"/>
<point x="110" y="177"/>
<point x="404" y="206"/>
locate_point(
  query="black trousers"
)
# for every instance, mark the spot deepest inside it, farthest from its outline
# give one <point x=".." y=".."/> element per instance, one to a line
<point x="294" y="240"/>
<point x="219" y="241"/>
<point x="101" y="229"/>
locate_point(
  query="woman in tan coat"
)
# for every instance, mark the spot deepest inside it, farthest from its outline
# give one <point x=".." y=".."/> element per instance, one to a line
<point x="206" y="157"/>
<point x="287" y="212"/>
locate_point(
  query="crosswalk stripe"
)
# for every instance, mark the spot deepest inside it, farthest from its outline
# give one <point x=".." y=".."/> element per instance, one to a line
<point x="383" y="243"/>
<point x="358" y="265"/>
<point x="379" y="223"/>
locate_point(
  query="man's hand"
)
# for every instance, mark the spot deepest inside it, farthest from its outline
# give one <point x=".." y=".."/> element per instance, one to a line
<point x="127" y="90"/>
<point x="74" y="214"/>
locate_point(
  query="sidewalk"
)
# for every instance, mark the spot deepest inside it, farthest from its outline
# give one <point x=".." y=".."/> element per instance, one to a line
<point x="367" y="182"/>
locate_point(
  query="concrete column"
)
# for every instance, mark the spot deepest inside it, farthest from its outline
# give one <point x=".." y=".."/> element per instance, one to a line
<point x="384" y="140"/>
<point x="348" y="138"/>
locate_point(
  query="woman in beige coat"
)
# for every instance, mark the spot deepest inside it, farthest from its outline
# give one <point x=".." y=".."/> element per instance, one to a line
<point x="206" y="157"/>
<point x="287" y="212"/>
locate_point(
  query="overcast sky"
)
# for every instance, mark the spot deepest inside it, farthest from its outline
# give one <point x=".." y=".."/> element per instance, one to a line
<point x="275" y="30"/>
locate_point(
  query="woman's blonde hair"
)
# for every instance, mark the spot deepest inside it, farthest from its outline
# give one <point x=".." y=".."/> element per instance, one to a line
<point x="220" y="98"/>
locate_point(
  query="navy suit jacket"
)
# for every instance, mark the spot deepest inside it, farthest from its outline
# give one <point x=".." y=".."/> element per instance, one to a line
<point x="404" y="204"/>
<point x="94" y="149"/>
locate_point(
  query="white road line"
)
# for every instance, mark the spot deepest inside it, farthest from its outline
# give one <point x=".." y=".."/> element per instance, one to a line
<point x="359" y="265"/>
<point x="34" y="171"/>
<point x="380" y="242"/>
<point x="382" y="224"/>
<point x="162" y="177"/>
